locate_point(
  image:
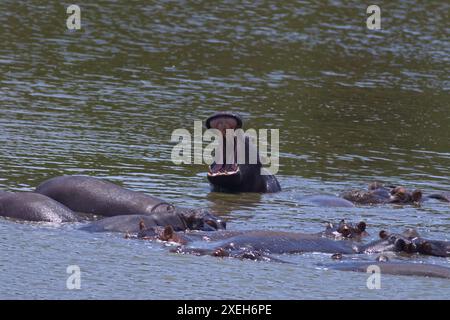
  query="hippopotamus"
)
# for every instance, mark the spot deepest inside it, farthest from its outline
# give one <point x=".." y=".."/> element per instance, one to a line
<point x="411" y="242"/>
<point x="100" y="197"/>
<point x="232" y="175"/>
<point x="32" y="206"/>
<point x="259" y="244"/>
<point x="342" y="239"/>
<point x="179" y="220"/>
<point x="394" y="268"/>
<point x="344" y="230"/>
<point x="378" y="193"/>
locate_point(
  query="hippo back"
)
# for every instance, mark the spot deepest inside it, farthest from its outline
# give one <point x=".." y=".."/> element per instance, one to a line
<point x="130" y="223"/>
<point x="34" y="207"/>
<point x="96" y="196"/>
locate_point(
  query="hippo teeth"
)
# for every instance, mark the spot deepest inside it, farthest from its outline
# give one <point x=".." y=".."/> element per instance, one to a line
<point x="223" y="173"/>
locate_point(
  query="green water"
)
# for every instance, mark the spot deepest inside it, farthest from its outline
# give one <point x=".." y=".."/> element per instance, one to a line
<point x="352" y="105"/>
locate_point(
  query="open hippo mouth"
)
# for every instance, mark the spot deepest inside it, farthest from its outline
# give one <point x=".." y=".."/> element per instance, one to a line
<point x="226" y="174"/>
<point x="226" y="171"/>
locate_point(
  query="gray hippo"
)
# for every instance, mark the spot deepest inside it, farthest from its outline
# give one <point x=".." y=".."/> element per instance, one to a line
<point x="343" y="239"/>
<point x="179" y="220"/>
<point x="234" y="176"/>
<point x="32" y="206"/>
<point x="411" y="242"/>
<point x="262" y="243"/>
<point x="100" y="197"/>
<point x="394" y="268"/>
<point x="379" y="193"/>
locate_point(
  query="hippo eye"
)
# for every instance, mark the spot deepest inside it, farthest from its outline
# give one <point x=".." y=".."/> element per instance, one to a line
<point x="212" y="223"/>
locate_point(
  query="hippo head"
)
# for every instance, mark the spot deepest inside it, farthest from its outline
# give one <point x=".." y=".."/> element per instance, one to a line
<point x="201" y="219"/>
<point x="389" y="242"/>
<point x="431" y="247"/>
<point x="231" y="172"/>
<point x="345" y="230"/>
<point x="403" y="196"/>
<point x="397" y="242"/>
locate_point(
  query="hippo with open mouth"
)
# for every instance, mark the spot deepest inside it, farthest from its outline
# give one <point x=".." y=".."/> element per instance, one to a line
<point x="231" y="175"/>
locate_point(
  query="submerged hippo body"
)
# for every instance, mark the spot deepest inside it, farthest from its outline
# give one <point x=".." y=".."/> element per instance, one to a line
<point x="327" y="201"/>
<point x="379" y="193"/>
<point x="236" y="172"/>
<point x="395" y="268"/>
<point x="342" y="239"/>
<point x="178" y="220"/>
<point x="32" y="206"/>
<point x="262" y="243"/>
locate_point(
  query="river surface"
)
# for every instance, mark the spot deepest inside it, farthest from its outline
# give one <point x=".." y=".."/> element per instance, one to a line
<point x="352" y="105"/>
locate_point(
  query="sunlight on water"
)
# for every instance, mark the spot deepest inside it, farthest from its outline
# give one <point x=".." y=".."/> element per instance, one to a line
<point x="352" y="106"/>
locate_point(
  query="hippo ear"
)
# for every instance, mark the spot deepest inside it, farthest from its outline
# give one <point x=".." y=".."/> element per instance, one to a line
<point x="383" y="234"/>
<point x="168" y="232"/>
<point x="410" y="233"/>
<point x="361" y="226"/>
<point x="416" y="195"/>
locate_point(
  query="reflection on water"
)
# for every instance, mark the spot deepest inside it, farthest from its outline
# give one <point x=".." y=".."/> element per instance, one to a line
<point x="352" y="105"/>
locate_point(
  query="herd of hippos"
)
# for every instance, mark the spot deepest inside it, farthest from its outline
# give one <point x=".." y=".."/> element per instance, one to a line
<point x="198" y="231"/>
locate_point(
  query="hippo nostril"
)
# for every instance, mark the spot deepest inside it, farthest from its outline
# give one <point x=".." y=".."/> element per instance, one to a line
<point x="383" y="234"/>
<point x="361" y="226"/>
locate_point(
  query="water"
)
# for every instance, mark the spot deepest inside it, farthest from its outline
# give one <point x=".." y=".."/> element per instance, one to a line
<point x="352" y="106"/>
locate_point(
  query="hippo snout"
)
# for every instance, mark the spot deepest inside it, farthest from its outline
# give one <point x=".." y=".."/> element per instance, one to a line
<point x="202" y="219"/>
<point x="215" y="225"/>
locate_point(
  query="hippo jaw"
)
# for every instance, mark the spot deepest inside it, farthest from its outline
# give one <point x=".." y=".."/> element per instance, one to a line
<point x="226" y="175"/>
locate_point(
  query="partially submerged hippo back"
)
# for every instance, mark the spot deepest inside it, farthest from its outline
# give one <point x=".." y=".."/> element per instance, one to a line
<point x="130" y="223"/>
<point x="395" y="268"/>
<point x="96" y="196"/>
<point x="179" y="219"/>
<point x="32" y="206"/>
<point x="271" y="242"/>
<point x="327" y="201"/>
